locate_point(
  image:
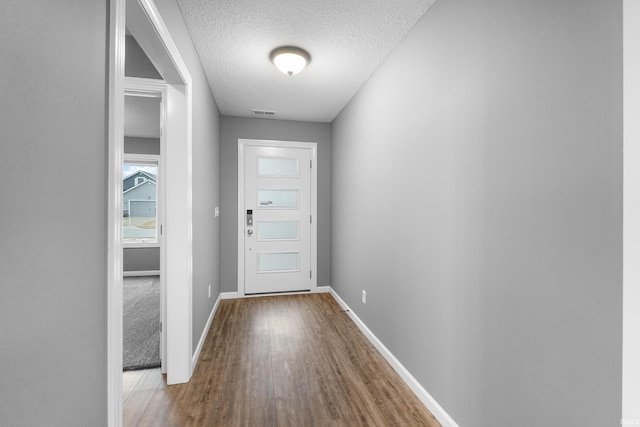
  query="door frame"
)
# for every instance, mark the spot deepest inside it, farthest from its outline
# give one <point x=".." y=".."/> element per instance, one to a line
<point x="144" y="21"/>
<point x="313" y="147"/>
<point x="631" y="215"/>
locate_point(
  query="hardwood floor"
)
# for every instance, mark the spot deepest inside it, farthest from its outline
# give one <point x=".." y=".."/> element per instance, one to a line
<point x="295" y="360"/>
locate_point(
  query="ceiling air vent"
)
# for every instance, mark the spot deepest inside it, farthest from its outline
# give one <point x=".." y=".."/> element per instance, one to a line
<point x="265" y="114"/>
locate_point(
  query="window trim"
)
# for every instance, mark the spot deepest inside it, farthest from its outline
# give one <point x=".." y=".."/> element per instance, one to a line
<point x="152" y="160"/>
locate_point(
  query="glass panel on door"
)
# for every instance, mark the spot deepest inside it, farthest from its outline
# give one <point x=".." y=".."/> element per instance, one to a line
<point x="278" y="199"/>
<point x="277" y="262"/>
<point x="274" y="167"/>
<point x="278" y="230"/>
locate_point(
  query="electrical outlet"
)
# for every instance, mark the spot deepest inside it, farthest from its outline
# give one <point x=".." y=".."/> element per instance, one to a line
<point x="209" y="290"/>
<point x="364" y="296"/>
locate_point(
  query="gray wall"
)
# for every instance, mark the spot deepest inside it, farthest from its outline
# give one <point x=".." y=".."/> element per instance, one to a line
<point x="137" y="63"/>
<point x="206" y="174"/>
<point x="141" y="259"/>
<point x="53" y="62"/>
<point x="137" y="145"/>
<point x="486" y="156"/>
<point x="234" y="128"/>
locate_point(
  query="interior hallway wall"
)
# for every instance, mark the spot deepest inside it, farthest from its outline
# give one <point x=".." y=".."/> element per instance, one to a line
<point x="141" y="259"/>
<point x="53" y="207"/>
<point x="484" y="162"/>
<point x="206" y="173"/>
<point x="234" y="128"/>
<point x="137" y="63"/>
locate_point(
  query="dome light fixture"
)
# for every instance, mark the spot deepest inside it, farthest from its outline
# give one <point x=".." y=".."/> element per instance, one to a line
<point x="290" y="59"/>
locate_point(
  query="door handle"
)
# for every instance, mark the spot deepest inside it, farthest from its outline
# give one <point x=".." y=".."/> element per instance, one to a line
<point x="250" y="231"/>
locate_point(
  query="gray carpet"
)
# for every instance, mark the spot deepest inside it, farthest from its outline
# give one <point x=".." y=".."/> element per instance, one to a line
<point x="141" y="322"/>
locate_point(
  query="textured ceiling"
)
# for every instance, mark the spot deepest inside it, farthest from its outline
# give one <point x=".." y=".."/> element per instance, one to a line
<point x="347" y="40"/>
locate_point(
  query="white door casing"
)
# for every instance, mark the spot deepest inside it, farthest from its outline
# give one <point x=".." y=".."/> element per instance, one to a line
<point x="277" y="231"/>
<point x="631" y="216"/>
<point x="147" y="26"/>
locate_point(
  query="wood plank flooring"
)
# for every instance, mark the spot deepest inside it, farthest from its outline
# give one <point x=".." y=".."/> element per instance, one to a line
<point x="295" y="360"/>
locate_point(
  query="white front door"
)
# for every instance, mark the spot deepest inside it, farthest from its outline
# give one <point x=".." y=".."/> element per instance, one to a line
<point x="277" y="219"/>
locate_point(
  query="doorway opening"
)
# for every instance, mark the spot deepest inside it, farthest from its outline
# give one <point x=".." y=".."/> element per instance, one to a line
<point x="143" y="285"/>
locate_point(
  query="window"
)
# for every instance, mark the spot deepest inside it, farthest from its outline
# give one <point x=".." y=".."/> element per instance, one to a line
<point x="139" y="201"/>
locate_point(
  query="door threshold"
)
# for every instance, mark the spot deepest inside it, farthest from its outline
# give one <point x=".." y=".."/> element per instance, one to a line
<point x="273" y="294"/>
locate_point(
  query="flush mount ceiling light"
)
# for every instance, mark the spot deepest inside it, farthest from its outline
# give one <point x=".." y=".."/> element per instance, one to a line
<point x="289" y="59"/>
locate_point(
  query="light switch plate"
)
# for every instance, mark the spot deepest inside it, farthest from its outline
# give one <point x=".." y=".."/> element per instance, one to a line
<point x="217" y="211"/>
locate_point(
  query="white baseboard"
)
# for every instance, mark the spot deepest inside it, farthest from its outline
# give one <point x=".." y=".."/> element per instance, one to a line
<point x="422" y="394"/>
<point x="322" y="289"/>
<point x="196" y="354"/>
<point x="141" y="273"/>
<point x="229" y="295"/>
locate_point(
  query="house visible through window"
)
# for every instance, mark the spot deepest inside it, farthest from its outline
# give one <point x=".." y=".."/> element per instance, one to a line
<point x="139" y="197"/>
